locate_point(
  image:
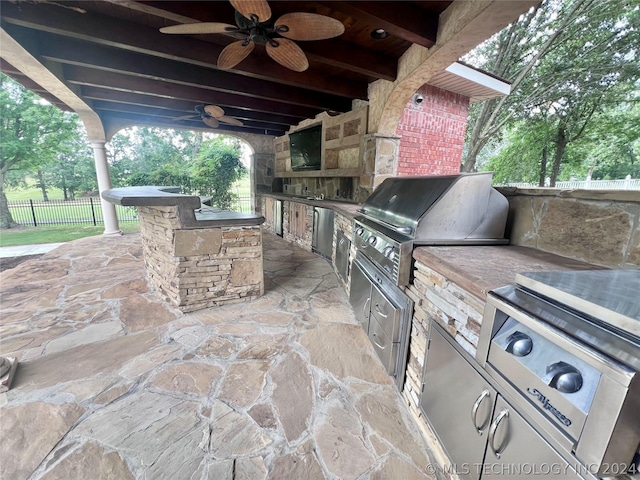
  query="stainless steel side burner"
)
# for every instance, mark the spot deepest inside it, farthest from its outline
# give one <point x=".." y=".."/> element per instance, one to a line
<point x="567" y="346"/>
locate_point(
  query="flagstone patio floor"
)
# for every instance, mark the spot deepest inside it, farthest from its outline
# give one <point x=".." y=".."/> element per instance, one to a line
<point x="115" y="384"/>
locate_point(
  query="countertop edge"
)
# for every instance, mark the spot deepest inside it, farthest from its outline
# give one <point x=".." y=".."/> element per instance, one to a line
<point x="480" y="269"/>
<point x="347" y="209"/>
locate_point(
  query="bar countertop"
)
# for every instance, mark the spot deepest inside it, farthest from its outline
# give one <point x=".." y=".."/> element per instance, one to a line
<point x="191" y="212"/>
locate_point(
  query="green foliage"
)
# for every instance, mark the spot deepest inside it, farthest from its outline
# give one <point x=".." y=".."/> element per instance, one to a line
<point x="32" y="132"/>
<point x="151" y="156"/>
<point x="216" y="169"/>
<point x="570" y="62"/>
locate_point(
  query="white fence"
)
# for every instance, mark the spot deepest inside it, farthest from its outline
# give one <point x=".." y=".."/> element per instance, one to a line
<point x="626" y="184"/>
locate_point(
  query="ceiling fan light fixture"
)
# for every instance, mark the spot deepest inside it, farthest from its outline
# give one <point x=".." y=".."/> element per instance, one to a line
<point x="379" y="34"/>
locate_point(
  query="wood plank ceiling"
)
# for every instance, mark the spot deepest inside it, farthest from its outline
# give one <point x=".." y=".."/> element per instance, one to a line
<point x="113" y="56"/>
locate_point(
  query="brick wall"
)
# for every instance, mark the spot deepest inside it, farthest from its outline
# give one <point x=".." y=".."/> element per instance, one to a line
<point x="432" y="133"/>
<point x="200" y="268"/>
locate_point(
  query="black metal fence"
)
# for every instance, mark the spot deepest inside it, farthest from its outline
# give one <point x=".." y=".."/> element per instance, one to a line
<point x="80" y="211"/>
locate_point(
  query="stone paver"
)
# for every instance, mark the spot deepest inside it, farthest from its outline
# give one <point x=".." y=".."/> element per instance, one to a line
<point x="113" y="383"/>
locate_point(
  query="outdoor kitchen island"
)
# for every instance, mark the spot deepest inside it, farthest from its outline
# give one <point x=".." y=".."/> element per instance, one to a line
<point x="196" y="256"/>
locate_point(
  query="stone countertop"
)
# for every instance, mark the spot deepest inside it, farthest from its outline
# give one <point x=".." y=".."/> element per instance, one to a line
<point x="479" y="269"/>
<point x="348" y="209"/>
<point x="191" y="212"/>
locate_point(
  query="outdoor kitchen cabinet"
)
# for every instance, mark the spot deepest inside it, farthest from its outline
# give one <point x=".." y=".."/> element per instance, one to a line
<point x="484" y="436"/>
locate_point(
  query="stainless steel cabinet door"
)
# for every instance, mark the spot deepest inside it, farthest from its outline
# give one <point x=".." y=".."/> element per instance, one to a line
<point x="360" y="295"/>
<point x="343" y="245"/>
<point x="458" y="403"/>
<point x="323" y="231"/>
<point x="516" y="451"/>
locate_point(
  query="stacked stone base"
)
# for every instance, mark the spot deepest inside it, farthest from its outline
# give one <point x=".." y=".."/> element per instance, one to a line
<point x="200" y="268"/>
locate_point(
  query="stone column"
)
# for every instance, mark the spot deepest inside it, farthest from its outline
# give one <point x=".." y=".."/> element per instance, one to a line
<point x="104" y="183"/>
<point x="380" y="161"/>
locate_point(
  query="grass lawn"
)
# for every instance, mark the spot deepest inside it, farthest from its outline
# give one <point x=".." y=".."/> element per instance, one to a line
<point x="32" y="193"/>
<point x="55" y="234"/>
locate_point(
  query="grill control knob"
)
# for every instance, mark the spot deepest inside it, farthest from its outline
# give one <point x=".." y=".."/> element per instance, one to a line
<point x="563" y="377"/>
<point x="388" y="252"/>
<point x="520" y="344"/>
<point x="372" y="240"/>
<point x="359" y="231"/>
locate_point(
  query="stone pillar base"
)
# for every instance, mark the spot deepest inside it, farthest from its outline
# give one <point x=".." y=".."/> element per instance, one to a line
<point x="204" y="267"/>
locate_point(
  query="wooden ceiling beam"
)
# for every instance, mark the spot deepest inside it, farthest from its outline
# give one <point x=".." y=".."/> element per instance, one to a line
<point x="134" y="37"/>
<point x="410" y="22"/>
<point x="171" y="115"/>
<point x="73" y="52"/>
<point x="117" y="81"/>
<point x="113" y="117"/>
<point x="182" y="107"/>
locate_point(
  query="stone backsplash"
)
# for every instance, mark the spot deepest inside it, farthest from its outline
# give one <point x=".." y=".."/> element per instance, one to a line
<point x="596" y="226"/>
<point x="200" y="268"/>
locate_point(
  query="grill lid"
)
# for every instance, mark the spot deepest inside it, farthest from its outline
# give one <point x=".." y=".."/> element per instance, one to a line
<point x="447" y="207"/>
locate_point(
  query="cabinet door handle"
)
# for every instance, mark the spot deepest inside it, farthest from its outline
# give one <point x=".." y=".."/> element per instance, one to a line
<point x="374" y="340"/>
<point x="492" y="433"/>
<point x="379" y="312"/>
<point x="365" y="308"/>
<point x="474" y="411"/>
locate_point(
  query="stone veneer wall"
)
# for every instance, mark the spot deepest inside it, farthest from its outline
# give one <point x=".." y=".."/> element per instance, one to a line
<point x="458" y="311"/>
<point x="596" y="226"/>
<point x="432" y="133"/>
<point x="200" y="268"/>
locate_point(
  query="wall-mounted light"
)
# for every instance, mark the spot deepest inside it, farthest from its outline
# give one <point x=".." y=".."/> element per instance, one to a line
<point x="379" y="34"/>
<point x="417" y="99"/>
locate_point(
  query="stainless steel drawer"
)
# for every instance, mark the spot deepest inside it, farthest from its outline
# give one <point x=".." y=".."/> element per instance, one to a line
<point x="386" y="349"/>
<point x="387" y="314"/>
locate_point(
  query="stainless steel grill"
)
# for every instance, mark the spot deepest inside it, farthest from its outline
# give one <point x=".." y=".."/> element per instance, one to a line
<point x="566" y="345"/>
<point x="401" y="214"/>
<point x="405" y="212"/>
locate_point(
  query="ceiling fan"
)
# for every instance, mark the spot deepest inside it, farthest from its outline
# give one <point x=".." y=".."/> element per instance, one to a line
<point x="255" y="26"/>
<point x="212" y="115"/>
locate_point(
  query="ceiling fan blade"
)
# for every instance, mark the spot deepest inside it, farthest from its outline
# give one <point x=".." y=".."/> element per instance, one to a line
<point x="214" y="110"/>
<point x="288" y="54"/>
<point x="308" y="26"/>
<point x="233" y="54"/>
<point x="200" y="28"/>
<point x="259" y="8"/>
<point x="211" y="122"/>
<point x="230" y="120"/>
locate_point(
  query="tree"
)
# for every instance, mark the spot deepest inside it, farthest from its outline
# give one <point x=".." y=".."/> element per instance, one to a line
<point x="73" y="169"/>
<point x="30" y="132"/>
<point x="567" y="61"/>
<point x="216" y="168"/>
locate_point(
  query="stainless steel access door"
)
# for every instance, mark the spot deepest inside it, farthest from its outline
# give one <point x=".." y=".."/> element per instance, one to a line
<point x="322" y="241"/>
<point x="458" y="403"/>
<point x="360" y="295"/>
<point x="516" y="452"/>
<point x="277" y="217"/>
